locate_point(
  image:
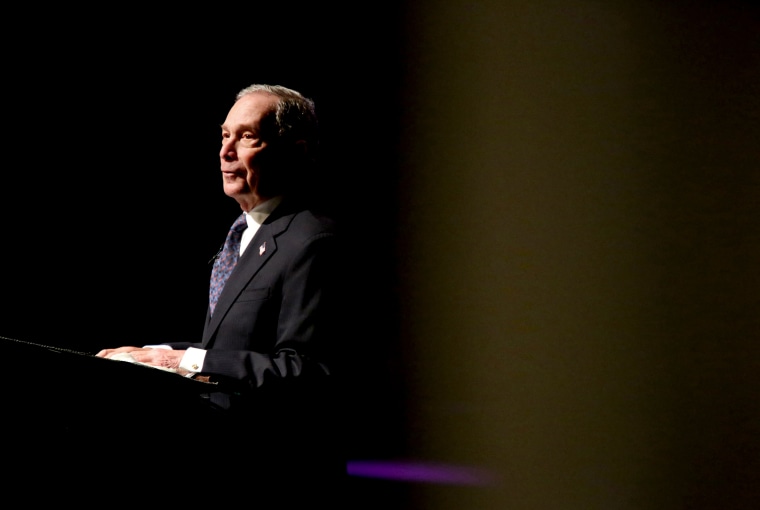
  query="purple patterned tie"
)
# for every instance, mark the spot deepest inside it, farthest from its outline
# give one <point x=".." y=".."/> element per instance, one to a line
<point x="226" y="261"/>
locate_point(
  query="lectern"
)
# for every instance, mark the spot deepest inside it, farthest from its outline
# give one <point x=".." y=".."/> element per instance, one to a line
<point x="81" y="429"/>
<point x="74" y="423"/>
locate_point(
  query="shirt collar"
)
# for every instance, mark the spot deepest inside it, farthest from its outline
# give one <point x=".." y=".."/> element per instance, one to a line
<point x="260" y="213"/>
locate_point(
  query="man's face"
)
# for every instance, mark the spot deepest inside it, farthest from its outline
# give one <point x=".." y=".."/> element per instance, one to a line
<point x="243" y="149"/>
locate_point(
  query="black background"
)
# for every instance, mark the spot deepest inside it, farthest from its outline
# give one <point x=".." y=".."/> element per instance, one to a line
<point x="110" y="194"/>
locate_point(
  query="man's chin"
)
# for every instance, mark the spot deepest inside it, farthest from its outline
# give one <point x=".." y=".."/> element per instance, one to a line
<point x="242" y="196"/>
<point x="234" y="189"/>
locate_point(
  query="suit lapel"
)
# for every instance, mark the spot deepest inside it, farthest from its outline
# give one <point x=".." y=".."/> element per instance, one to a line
<point x="261" y="248"/>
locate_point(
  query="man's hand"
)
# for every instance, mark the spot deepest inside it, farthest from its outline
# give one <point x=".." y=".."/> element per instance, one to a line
<point x="165" y="358"/>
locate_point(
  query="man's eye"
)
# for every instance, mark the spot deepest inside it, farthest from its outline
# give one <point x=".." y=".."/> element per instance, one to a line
<point x="249" y="140"/>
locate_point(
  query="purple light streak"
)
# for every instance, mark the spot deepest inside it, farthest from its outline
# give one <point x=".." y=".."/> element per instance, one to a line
<point x="420" y="471"/>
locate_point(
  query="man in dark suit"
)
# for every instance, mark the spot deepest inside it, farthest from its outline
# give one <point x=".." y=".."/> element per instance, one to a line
<point x="272" y="331"/>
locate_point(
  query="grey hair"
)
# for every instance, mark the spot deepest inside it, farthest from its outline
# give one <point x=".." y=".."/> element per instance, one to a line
<point x="295" y="116"/>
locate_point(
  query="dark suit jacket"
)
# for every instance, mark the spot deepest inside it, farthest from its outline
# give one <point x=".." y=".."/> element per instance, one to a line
<point x="273" y="338"/>
<point x="278" y="315"/>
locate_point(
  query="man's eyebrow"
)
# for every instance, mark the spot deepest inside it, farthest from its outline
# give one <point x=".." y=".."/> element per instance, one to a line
<point x="241" y="128"/>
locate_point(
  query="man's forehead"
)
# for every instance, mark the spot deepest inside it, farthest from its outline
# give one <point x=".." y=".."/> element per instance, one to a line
<point x="250" y="109"/>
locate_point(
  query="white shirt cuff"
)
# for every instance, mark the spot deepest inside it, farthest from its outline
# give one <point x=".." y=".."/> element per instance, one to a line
<point x="192" y="361"/>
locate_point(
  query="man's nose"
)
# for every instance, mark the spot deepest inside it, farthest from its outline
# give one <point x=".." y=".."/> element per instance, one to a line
<point x="228" y="152"/>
